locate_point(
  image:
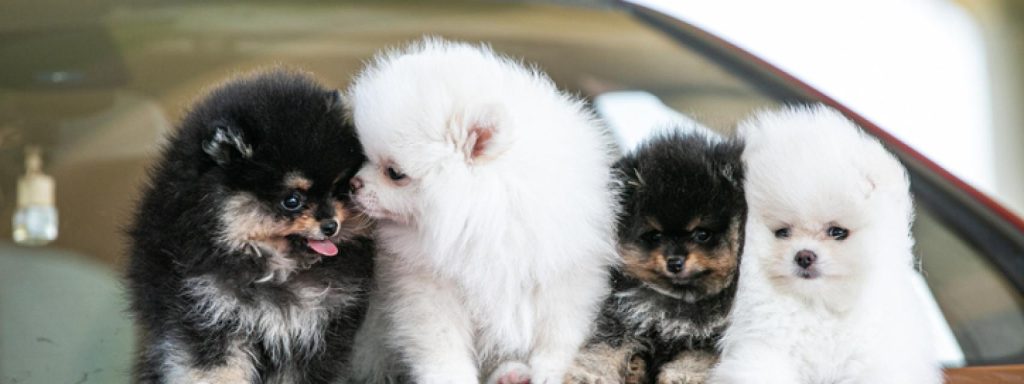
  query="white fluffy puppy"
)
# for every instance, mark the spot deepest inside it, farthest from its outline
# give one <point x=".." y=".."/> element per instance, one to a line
<point x="825" y="291"/>
<point x="493" y="191"/>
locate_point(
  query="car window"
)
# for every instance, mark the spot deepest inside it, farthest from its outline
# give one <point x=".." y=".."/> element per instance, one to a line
<point x="984" y="311"/>
<point x="94" y="86"/>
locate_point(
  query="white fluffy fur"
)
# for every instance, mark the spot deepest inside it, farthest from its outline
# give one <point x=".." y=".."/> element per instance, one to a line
<point x="491" y="258"/>
<point x="859" y="321"/>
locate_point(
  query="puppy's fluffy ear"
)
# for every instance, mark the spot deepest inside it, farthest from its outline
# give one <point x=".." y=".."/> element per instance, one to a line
<point x="227" y="144"/>
<point x="731" y="167"/>
<point x="880" y="169"/>
<point x="475" y="132"/>
<point x="733" y="173"/>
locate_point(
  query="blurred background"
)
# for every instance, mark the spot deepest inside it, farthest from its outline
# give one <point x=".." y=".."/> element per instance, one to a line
<point x="89" y="88"/>
<point x="943" y="75"/>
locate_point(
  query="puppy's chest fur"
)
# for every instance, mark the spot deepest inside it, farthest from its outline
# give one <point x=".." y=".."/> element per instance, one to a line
<point x="829" y="347"/>
<point x="284" y="320"/>
<point x="503" y="315"/>
<point x="667" y="322"/>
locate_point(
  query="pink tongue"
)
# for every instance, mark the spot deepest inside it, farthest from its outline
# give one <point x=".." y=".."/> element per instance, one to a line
<point x="323" y="247"/>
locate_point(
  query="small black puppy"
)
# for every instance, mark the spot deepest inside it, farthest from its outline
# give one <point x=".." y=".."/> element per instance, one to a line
<point x="680" y="238"/>
<point x="247" y="263"/>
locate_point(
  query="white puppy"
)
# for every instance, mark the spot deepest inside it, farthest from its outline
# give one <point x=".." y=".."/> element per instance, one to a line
<point x="496" y="207"/>
<point x="825" y="291"/>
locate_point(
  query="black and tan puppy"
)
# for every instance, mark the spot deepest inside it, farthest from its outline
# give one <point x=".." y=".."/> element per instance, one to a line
<point x="680" y="239"/>
<point x="247" y="263"/>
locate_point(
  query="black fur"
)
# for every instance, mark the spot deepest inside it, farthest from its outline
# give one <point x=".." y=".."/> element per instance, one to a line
<point x="244" y="138"/>
<point x="674" y="178"/>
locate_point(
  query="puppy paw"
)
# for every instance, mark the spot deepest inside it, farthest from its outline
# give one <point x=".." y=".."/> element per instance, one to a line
<point x="690" y="367"/>
<point x="605" y="364"/>
<point x="510" y="372"/>
<point x="673" y="377"/>
<point x="606" y="374"/>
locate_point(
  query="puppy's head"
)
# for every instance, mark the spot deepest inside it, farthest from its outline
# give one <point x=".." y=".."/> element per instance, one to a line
<point x="468" y="149"/>
<point x="433" y="120"/>
<point x="278" y="148"/>
<point x="828" y="204"/>
<point x="681" y="233"/>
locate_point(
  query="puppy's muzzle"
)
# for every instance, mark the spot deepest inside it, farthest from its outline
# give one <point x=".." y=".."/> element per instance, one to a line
<point x="675" y="264"/>
<point x="356" y="183"/>
<point x="329" y="227"/>
<point x="677" y="270"/>
<point x="805" y="258"/>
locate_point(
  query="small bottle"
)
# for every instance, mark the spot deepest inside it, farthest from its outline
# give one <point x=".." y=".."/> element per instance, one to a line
<point x="35" y="220"/>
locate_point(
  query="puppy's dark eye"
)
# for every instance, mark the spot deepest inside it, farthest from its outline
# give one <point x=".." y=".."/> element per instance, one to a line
<point x="294" y="201"/>
<point x="782" y="233"/>
<point x="701" y="236"/>
<point x="838" y="233"/>
<point x="395" y="174"/>
<point x="651" y="237"/>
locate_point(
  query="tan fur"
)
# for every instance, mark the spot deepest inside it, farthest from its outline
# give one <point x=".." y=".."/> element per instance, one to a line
<point x="688" y="367"/>
<point x="227" y="374"/>
<point x="305" y="224"/>
<point x="245" y="221"/>
<point x="296" y="181"/>
<point x="238" y="369"/>
<point x="648" y="267"/>
<point x="722" y="263"/>
<point x="604" y="364"/>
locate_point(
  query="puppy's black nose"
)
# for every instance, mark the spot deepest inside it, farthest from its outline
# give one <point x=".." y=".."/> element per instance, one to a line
<point x="329" y="227"/>
<point x="675" y="264"/>
<point x="805" y="258"/>
<point x="356" y="183"/>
